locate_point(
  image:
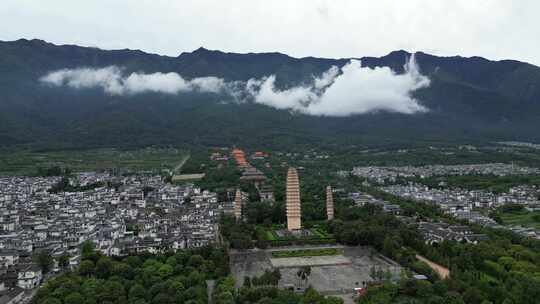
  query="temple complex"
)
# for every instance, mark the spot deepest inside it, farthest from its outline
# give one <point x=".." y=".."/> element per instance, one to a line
<point x="266" y="193"/>
<point x="329" y="203"/>
<point x="293" y="200"/>
<point x="253" y="175"/>
<point x="240" y="158"/>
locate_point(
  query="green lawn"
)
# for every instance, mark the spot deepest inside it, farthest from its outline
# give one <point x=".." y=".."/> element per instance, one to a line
<point x="270" y="235"/>
<point x="306" y="252"/>
<point x="523" y="218"/>
<point x="321" y="233"/>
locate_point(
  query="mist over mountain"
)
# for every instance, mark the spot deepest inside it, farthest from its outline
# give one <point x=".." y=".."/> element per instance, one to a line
<point x="77" y="97"/>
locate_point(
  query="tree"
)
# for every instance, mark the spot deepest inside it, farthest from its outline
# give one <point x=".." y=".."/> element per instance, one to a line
<point x="51" y="301"/>
<point x="267" y="278"/>
<point x="63" y="261"/>
<point x="195" y="260"/>
<point x="112" y="291"/>
<point x="87" y="268"/>
<point x="453" y="298"/>
<point x="163" y="298"/>
<point x="87" y="251"/>
<point x="496" y="216"/>
<point x="137" y="291"/>
<point x="165" y="271"/>
<point x="89" y="289"/>
<point x="303" y="275"/>
<point x="311" y="297"/>
<point x="389" y="246"/>
<point x="152" y="279"/>
<point x="133" y="261"/>
<point x="44" y="259"/>
<point x="103" y="267"/>
<point x="276" y="275"/>
<point x="472" y="295"/>
<point x="123" y="270"/>
<point x="74" y="298"/>
<point x="247" y="281"/>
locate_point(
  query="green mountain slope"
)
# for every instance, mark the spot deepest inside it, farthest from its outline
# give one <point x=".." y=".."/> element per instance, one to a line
<point x="469" y="99"/>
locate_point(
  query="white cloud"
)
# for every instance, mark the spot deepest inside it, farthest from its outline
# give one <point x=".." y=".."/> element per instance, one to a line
<point x="353" y="89"/>
<point x="356" y="90"/>
<point x="170" y="83"/>
<point x="327" y="78"/>
<point x="263" y="91"/>
<point x="112" y="81"/>
<point x="208" y="84"/>
<point x="108" y="78"/>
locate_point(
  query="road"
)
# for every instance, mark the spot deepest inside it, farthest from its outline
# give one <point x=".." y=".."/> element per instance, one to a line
<point x="210" y="290"/>
<point x="181" y="164"/>
<point x="443" y="272"/>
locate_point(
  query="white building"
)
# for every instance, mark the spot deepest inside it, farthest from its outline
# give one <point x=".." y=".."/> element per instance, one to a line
<point x="29" y="277"/>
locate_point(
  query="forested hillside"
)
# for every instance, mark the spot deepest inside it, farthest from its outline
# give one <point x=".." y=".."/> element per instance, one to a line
<point x="468" y="99"/>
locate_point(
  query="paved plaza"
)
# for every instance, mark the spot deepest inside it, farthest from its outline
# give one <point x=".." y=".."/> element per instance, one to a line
<point x="332" y="275"/>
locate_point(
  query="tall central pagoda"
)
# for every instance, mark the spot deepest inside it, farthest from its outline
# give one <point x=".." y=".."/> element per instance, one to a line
<point x="293" y="201"/>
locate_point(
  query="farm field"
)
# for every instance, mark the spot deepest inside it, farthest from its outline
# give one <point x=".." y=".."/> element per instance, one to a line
<point x="522" y="218"/>
<point x="149" y="159"/>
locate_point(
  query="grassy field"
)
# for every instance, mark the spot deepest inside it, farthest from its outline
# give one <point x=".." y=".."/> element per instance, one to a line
<point x="271" y="235"/>
<point x="306" y="252"/>
<point x="321" y="233"/>
<point x="27" y="162"/>
<point x="522" y="218"/>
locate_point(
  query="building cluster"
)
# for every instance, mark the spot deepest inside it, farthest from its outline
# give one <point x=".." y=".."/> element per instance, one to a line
<point x="454" y="200"/>
<point x="432" y="232"/>
<point x="240" y="158"/>
<point x="391" y="174"/>
<point x="361" y="199"/>
<point x="439" y="232"/>
<point x="120" y="215"/>
<point x="520" y="144"/>
<point x="472" y="205"/>
<point x="249" y="173"/>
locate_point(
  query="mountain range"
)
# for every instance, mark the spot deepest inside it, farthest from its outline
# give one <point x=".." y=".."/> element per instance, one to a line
<point x="467" y="100"/>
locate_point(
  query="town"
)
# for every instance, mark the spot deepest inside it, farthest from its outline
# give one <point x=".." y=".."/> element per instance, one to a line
<point x="47" y="220"/>
<point x="471" y="205"/>
<point x="120" y="215"/>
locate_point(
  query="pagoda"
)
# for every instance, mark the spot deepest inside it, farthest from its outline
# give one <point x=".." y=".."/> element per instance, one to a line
<point x="293" y="200"/>
<point x="238" y="205"/>
<point x="329" y="203"/>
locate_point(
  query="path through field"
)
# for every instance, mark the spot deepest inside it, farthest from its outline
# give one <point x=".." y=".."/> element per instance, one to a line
<point x="181" y="164"/>
<point x="443" y="272"/>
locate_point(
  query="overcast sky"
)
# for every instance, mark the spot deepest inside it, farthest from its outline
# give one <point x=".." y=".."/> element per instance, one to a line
<point x="495" y="29"/>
